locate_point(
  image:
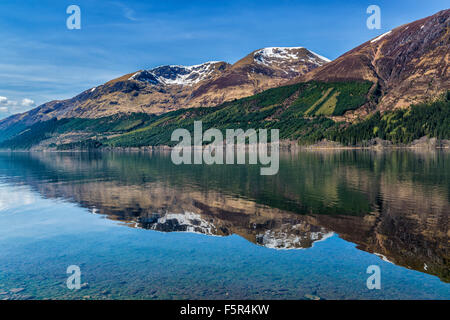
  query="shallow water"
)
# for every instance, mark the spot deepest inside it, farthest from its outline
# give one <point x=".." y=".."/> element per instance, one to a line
<point x="140" y="227"/>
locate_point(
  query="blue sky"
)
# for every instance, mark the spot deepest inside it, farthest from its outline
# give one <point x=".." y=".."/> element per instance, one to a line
<point x="41" y="60"/>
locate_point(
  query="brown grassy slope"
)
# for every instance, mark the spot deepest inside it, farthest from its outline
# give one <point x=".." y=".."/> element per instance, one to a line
<point x="410" y="64"/>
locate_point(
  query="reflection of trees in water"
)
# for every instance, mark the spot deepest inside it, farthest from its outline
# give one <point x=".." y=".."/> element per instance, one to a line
<point x="391" y="203"/>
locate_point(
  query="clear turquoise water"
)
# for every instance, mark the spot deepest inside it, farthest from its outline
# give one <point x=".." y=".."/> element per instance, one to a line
<point x="46" y="224"/>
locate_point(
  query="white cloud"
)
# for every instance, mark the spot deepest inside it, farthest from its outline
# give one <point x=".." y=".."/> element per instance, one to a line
<point x="4" y="101"/>
<point x="12" y="106"/>
<point x="27" y="102"/>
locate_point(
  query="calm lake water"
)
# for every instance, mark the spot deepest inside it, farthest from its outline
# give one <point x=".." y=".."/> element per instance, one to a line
<point x="140" y="227"/>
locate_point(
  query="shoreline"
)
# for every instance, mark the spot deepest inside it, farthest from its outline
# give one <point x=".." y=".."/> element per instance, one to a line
<point x="423" y="144"/>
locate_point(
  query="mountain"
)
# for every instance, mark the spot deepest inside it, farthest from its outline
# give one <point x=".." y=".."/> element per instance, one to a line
<point x="409" y="64"/>
<point x="394" y="89"/>
<point x="174" y="87"/>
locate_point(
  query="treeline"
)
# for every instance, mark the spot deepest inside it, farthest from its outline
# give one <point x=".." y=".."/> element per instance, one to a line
<point x="285" y="108"/>
<point x="299" y="111"/>
<point x="79" y="145"/>
<point x="27" y="137"/>
<point x="398" y="126"/>
<point x="33" y="135"/>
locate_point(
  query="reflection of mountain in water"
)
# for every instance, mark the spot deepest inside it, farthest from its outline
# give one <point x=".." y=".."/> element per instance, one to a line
<point x="270" y="234"/>
<point x="286" y="236"/>
<point x="181" y="222"/>
<point x="392" y="204"/>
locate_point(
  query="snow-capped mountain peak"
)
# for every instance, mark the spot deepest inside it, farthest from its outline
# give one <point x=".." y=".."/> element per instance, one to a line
<point x="178" y="74"/>
<point x="289" y="61"/>
<point x="275" y="55"/>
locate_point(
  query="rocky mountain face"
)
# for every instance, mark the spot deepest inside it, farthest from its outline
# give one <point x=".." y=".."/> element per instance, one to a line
<point x="169" y="88"/>
<point x="260" y="70"/>
<point x="410" y="63"/>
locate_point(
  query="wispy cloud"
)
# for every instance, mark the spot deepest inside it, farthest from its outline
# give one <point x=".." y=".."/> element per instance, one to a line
<point x="128" y="13"/>
<point x="43" y="82"/>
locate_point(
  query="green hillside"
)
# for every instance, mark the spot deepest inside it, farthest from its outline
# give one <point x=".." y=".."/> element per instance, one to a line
<point x="284" y="108"/>
<point x="301" y="112"/>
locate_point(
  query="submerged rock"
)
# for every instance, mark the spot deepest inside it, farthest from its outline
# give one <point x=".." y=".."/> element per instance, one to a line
<point x="312" y="297"/>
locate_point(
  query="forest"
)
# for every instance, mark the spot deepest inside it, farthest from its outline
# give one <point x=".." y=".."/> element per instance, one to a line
<point x="303" y="112"/>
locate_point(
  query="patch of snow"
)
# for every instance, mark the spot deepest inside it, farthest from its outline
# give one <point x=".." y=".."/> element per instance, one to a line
<point x="271" y="55"/>
<point x="285" y="241"/>
<point x="325" y="237"/>
<point x="178" y="74"/>
<point x="320" y="57"/>
<point x="187" y="221"/>
<point x="422" y="27"/>
<point x="383" y="257"/>
<point x="134" y="75"/>
<point x="278" y="52"/>
<point x="93" y="89"/>
<point x="380" y="37"/>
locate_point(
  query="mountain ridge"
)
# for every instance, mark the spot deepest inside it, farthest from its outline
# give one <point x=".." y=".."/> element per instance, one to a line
<point x="409" y="64"/>
<point x="172" y="87"/>
<point x="394" y="87"/>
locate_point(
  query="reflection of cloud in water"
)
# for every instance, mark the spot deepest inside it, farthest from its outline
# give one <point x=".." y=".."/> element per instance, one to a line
<point x="15" y="197"/>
